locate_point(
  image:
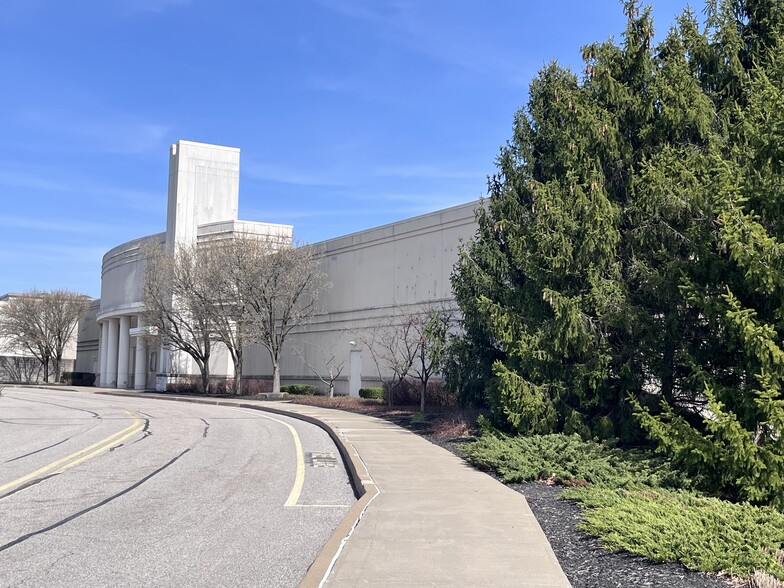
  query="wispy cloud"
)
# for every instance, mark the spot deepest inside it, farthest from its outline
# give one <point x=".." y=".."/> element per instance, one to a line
<point x="274" y="172"/>
<point x="267" y="215"/>
<point x="54" y="179"/>
<point x="335" y="84"/>
<point x="420" y="202"/>
<point x="359" y="175"/>
<point x="426" y="171"/>
<point x="353" y="9"/>
<point x="109" y="132"/>
<point x="57" y="252"/>
<point x="19" y="179"/>
<point x="62" y="226"/>
<point x="152" y="5"/>
<point x="405" y="23"/>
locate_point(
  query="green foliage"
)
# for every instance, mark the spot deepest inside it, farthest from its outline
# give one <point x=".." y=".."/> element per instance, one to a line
<point x="465" y="370"/>
<point x="704" y="534"/>
<point x="567" y="458"/>
<point x="629" y="259"/>
<point x="303" y="389"/>
<point x="374" y="393"/>
<point x="637" y="502"/>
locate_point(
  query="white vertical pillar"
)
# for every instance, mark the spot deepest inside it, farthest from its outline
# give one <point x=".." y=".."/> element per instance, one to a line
<point x="140" y="369"/>
<point x="124" y="349"/>
<point x="355" y="371"/>
<point x="163" y="369"/>
<point x="104" y="345"/>
<point x="111" y="353"/>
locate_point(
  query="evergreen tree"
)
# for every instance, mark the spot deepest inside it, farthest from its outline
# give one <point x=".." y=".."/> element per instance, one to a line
<point x="731" y="439"/>
<point x="630" y="251"/>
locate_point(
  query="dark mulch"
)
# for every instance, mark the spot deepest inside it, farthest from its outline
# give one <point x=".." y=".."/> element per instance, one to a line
<point x="584" y="561"/>
<point x="582" y="558"/>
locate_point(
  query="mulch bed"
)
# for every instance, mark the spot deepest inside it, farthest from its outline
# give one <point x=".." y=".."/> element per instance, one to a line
<point x="582" y="558"/>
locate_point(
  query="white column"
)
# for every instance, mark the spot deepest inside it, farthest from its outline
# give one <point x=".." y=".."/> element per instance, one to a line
<point x="111" y="353"/>
<point x="355" y="371"/>
<point x="104" y="345"/>
<point x="140" y="369"/>
<point x="123" y="352"/>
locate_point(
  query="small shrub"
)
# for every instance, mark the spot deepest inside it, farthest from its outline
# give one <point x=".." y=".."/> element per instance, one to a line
<point x="404" y="393"/>
<point x="223" y="386"/>
<point x="303" y="389"/>
<point x="456" y="424"/>
<point x="253" y="386"/>
<point x="558" y="458"/>
<point x="374" y="393"/>
<point x="705" y="534"/>
<point x="409" y="392"/>
<point x="180" y="387"/>
<point x="78" y="378"/>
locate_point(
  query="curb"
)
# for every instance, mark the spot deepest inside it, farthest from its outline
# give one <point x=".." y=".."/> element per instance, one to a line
<point x="364" y="487"/>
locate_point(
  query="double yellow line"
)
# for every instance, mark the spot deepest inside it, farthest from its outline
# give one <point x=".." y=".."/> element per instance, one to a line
<point x="74" y="459"/>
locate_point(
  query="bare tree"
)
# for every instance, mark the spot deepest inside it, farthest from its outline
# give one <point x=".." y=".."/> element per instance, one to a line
<point x="280" y="289"/>
<point x="17" y="368"/>
<point x="178" y="303"/>
<point x="393" y="345"/>
<point x="223" y="264"/>
<point x="408" y="343"/>
<point x="42" y="323"/>
<point x="261" y="288"/>
<point x="328" y="369"/>
<point x="432" y="328"/>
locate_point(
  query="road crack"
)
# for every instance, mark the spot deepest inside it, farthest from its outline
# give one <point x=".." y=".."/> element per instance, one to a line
<point x="98" y="505"/>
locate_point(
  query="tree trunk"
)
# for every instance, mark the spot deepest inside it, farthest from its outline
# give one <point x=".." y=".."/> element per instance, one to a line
<point x="56" y="363"/>
<point x="275" y="377"/>
<point x="422" y="396"/>
<point x="236" y="358"/>
<point x="204" y="369"/>
<point x="237" y="381"/>
<point x="205" y="378"/>
<point x="331" y="390"/>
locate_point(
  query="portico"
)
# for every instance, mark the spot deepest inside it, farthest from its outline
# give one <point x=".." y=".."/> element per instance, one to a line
<point x="123" y="348"/>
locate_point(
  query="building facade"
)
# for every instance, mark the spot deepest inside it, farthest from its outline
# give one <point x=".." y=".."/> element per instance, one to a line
<point x="374" y="275"/>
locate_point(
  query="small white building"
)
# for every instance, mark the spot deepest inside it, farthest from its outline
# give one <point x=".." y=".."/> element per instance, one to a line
<point x="374" y="274"/>
<point x="18" y="365"/>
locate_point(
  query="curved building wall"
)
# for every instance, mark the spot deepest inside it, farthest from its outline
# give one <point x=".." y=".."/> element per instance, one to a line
<point x="121" y="277"/>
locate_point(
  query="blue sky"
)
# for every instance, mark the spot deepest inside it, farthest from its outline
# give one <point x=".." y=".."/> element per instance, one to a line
<point x="349" y="114"/>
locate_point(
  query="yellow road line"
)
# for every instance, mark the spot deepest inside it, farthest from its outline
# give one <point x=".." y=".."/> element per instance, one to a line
<point x="299" y="478"/>
<point x="106" y="447"/>
<point x="102" y="446"/>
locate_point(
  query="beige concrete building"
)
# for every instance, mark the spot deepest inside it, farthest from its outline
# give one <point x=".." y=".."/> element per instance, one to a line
<point x="374" y="274"/>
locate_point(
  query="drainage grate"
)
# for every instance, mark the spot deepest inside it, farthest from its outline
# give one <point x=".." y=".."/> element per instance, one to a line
<point x="322" y="460"/>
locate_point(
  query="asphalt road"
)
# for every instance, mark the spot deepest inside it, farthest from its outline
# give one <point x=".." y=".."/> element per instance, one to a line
<point x="115" y="491"/>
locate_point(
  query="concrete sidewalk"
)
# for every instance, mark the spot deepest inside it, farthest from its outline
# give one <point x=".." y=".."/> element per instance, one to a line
<point x="426" y="518"/>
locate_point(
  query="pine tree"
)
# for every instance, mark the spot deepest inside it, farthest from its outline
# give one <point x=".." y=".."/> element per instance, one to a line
<point x="733" y="443"/>
<point x="630" y="252"/>
<point x="542" y="284"/>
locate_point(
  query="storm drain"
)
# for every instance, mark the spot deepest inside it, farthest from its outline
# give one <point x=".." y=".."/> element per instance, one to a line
<point x="322" y="460"/>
